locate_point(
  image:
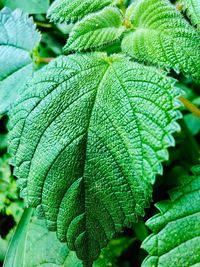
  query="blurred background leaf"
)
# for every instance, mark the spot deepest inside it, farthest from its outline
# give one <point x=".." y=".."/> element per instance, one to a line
<point x="29" y="6"/>
<point x="31" y="234"/>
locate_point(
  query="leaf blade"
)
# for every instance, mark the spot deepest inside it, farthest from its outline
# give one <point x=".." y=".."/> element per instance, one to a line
<point x="71" y="11"/>
<point x="15" y="254"/>
<point x="96" y="30"/>
<point x="163" y="37"/>
<point x="192" y="7"/>
<point x="15" y="60"/>
<point x="180" y="219"/>
<point x="84" y="149"/>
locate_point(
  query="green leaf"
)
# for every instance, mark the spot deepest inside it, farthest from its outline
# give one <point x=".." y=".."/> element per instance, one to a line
<point x="68" y="10"/>
<point x="192" y="7"/>
<point x="10" y="204"/>
<point x="18" y="38"/>
<point x="87" y="129"/>
<point x="193" y="123"/>
<point x="33" y="245"/>
<point x="15" y="254"/>
<point x="30" y="6"/>
<point x="163" y="37"/>
<point x="51" y="253"/>
<point x="176" y="229"/>
<point x="96" y="30"/>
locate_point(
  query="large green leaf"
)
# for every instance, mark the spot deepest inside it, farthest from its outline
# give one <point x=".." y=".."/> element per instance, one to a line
<point x="29" y="6"/>
<point x="18" y="38"/>
<point x="193" y="10"/>
<point x="96" y="30"/>
<point x="163" y="37"/>
<point x="175" y="241"/>
<point x="87" y="129"/>
<point x="68" y="10"/>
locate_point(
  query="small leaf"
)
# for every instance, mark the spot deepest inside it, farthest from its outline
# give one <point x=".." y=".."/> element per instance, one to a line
<point x="96" y="30"/>
<point x="87" y="129"/>
<point x="176" y="229"/>
<point x="163" y="37"/>
<point x="192" y="7"/>
<point x="68" y="10"/>
<point x="18" y="38"/>
<point x="30" y="6"/>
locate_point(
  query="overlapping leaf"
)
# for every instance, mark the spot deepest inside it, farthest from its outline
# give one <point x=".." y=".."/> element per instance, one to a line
<point x="31" y="234"/>
<point x="163" y="37"/>
<point x="96" y="30"/>
<point x="192" y="8"/>
<point x="68" y="10"/>
<point x="175" y="241"/>
<point x="18" y="38"/>
<point x="87" y="129"/>
<point x="15" y="253"/>
<point x="33" y="245"/>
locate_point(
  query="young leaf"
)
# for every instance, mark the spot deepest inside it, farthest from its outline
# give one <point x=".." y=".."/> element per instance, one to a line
<point x="68" y="10"/>
<point x="96" y="30"/>
<point x="192" y="8"/>
<point x="87" y="129"/>
<point x="175" y="240"/>
<point x="163" y="37"/>
<point x="18" y="38"/>
<point x="30" y="6"/>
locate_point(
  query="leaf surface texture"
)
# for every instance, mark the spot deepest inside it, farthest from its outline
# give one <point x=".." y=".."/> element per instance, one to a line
<point x="96" y="30"/>
<point x="87" y="129"/>
<point x="192" y="8"/>
<point x="161" y="36"/>
<point x="71" y="11"/>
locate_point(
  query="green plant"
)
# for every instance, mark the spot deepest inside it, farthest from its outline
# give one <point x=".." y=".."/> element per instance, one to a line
<point x="9" y="200"/>
<point x="175" y="238"/>
<point x="89" y="132"/>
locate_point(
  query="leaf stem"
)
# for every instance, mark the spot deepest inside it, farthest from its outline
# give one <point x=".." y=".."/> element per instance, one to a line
<point x="190" y="106"/>
<point x="45" y="60"/>
<point x="122" y="5"/>
<point x="43" y="24"/>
